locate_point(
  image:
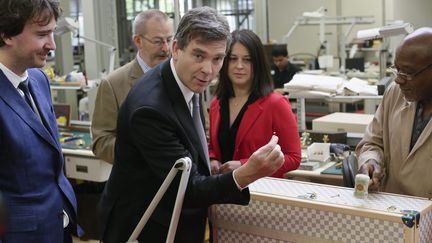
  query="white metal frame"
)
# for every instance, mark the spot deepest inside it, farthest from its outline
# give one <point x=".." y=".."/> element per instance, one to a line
<point x="183" y="164"/>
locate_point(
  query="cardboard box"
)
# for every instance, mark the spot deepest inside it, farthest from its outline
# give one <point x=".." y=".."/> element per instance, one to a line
<point x="340" y="121"/>
<point x="87" y="168"/>
<point x="293" y="211"/>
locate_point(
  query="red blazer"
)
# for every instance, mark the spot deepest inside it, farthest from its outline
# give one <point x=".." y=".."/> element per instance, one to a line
<point x="267" y="115"/>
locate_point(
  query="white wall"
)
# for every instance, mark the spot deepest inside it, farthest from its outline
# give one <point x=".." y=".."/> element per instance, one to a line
<point x="283" y="13"/>
<point x="417" y="12"/>
<point x="305" y="39"/>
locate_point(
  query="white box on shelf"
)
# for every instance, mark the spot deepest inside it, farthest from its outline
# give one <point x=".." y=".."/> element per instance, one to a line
<point x="341" y="121"/>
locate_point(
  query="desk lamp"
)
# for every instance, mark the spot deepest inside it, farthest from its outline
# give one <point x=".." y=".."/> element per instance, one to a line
<point x="67" y="24"/>
<point x="382" y="32"/>
<point x="385" y="31"/>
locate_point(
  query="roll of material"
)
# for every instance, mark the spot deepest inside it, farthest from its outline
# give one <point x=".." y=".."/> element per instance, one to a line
<point x="368" y="34"/>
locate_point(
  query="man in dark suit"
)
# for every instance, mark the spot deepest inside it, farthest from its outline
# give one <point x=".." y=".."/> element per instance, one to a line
<point x="39" y="200"/>
<point x="155" y="128"/>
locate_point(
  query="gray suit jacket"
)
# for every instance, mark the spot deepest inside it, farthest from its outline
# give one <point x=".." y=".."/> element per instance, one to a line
<point x="111" y="93"/>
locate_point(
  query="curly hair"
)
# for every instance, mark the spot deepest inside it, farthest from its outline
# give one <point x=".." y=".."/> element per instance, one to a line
<point x="15" y="14"/>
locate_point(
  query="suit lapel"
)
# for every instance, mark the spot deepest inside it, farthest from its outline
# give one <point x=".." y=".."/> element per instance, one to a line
<point x="423" y="136"/>
<point x="252" y="113"/>
<point x="135" y="72"/>
<point x="17" y="104"/>
<point x="45" y="111"/>
<point x="181" y="109"/>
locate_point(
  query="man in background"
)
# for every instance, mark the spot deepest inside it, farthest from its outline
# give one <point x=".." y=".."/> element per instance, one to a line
<point x="39" y="200"/>
<point x="396" y="148"/>
<point x="282" y="70"/>
<point x="152" y="34"/>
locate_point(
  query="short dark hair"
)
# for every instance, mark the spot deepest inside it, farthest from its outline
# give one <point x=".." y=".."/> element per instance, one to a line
<point x="16" y="13"/>
<point x="279" y="50"/>
<point x="204" y="24"/>
<point x="262" y="83"/>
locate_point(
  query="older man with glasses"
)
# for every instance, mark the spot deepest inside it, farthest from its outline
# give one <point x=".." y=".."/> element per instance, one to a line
<point x="396" y="148"/>
<point x="152" y="34"/>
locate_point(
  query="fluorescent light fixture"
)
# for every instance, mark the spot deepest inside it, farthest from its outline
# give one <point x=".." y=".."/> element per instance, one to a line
<point x="67" y="24"/>
<point x="385" y="31"/>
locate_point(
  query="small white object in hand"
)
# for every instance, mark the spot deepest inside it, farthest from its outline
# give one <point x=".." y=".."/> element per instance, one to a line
<point x="361" y="185"/>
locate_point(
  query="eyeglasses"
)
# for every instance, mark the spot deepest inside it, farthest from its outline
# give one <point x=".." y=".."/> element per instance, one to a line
<point x="407" y="76"/>
<point x="157" y="42"/>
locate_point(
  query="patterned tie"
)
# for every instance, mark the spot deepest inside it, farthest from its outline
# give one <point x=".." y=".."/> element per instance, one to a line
<point x="199" y="126"/>
<point x="28" y="98"/>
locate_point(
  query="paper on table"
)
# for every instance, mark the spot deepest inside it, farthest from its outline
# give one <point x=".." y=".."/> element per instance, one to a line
<point x="315" y="82"/>
<point x="356" y="86"/>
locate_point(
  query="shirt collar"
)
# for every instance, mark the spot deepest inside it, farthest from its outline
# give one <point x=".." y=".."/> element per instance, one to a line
<point x="187" y="93"/>
<point x="142" y="64"/>
<point x="13" y="78"/>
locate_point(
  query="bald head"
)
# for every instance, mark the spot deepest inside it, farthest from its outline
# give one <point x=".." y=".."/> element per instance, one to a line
<point x="413" y="61"/>
<point x="418" y="43"/>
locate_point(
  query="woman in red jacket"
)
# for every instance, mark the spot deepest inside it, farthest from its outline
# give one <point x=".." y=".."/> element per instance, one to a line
<point x="245" y="112"/>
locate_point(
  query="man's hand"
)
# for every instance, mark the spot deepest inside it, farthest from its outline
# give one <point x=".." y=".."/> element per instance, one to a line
<point x="215" y="166"/>
<point x="372" y="168"/>
<point x="229" y="166"/>
<point x="263" y="162"/>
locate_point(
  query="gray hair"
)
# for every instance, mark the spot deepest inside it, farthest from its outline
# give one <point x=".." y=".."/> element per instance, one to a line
<point x="139" y="24"/>
<point x="204" y="24"/>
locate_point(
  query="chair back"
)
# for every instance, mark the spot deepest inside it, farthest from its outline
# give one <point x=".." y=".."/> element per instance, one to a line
<point x="349" y="170"/>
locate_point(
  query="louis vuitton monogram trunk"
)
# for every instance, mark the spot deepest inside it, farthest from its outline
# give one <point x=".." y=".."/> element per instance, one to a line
<point x="293" y="211"/>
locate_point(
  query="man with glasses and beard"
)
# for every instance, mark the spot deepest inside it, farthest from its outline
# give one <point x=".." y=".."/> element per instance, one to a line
<point x="396" y="148"/>
<point x="152" y="34"/>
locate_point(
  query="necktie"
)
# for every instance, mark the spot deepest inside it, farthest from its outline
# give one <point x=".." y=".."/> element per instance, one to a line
<point x="199" y="126"/>
<point x="28" y="98"/>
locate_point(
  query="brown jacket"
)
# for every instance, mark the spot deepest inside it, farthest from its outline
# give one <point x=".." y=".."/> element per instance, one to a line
<point x="111" y="93"/>
<point x="387" y="140"/>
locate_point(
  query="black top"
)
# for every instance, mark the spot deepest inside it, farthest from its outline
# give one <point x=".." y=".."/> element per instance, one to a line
<point x="227" y="134"/>
<point x="280" y="78"/>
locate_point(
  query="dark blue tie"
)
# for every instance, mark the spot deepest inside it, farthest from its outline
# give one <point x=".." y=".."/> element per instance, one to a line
<point x="23" y="86"/>
<point x="28" y="98"/>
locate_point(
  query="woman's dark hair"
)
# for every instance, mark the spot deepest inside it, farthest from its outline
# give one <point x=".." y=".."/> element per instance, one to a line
<point x="16" y="13"/>
<point x="262" y="83"/>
